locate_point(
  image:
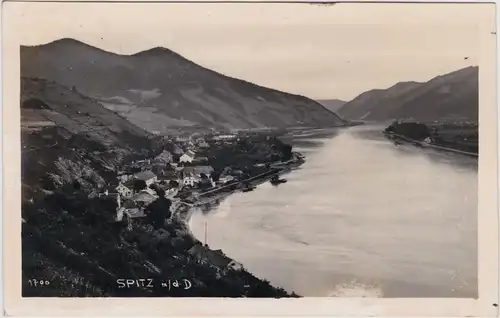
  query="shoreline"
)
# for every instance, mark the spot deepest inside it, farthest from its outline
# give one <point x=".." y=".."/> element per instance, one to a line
<point x="184" y="215"/>
<point x="429" y="146"/>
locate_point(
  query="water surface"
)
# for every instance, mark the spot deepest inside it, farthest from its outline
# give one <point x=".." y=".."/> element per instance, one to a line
<point x="362" y="217"/>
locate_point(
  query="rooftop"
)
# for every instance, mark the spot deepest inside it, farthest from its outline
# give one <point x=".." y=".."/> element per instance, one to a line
<point x="199" y="170"/>
<point x="215" y="257"/>
<point x="144" y="197"/>
<point x="145" y="175"/>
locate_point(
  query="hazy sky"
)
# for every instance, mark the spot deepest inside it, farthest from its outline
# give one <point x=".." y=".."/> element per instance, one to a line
<point x="319" y="51"/>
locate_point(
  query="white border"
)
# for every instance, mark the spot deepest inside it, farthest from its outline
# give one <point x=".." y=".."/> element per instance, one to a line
<point x="488" y="240"/>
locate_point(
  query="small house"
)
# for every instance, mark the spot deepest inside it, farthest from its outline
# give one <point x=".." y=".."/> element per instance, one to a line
<point x="190" y="180"/>
<point x="225" y="179"/>
<point x="144" y="197"/>
<point x="203" y="144"/>
<point x="187" y="157"/>
<point x="147" y="176"/>
<point x="199" y="170"/>
<point x="125" y="190"/>
<point x="129" y="209"/>
<point x="124" y="177"/>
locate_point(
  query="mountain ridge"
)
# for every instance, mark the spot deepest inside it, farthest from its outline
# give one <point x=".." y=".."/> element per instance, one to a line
<point x="159" y="88"/>
<point x="332" y="105"/>
<point x="432" y="100"/>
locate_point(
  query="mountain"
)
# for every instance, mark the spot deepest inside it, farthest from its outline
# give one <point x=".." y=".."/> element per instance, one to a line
<point x="332" y="105"/>
<point x="451" y="96"/>
<point x="160" y="90"/>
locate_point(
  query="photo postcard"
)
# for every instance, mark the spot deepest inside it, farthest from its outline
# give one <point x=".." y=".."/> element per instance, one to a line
<point x="250" y="159"/>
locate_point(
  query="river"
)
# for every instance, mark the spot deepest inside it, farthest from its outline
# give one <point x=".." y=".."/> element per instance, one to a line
<point x="361" y="218"/>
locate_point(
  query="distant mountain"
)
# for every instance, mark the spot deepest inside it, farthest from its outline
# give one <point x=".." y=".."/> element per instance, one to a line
<point x="332" y="104"/>
<point x="450" y="96"/>
<point x="158" y="89"/>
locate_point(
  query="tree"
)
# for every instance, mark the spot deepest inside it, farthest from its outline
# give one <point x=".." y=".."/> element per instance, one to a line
<point x="159" y="210"/>
<point x="135" y="169"/>
<point x="287" y="151"/>
<point x="139" y="185"/>
<point x="173" y="184"/>
<point x="77" y="185"/>
<point x="215" y="175"/>
<point x="156" y="188"/>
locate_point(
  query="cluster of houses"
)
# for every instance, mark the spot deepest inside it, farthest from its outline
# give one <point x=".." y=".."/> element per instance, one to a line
<point x="162" y="172"/>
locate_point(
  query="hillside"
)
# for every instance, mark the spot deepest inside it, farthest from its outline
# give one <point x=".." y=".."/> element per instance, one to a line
<point x="66" y="136"/>
<point x="159" y="90"/>
<point x="447" y="97"/>
<point x="72" y="147"/>
<point x="332" y="105"/>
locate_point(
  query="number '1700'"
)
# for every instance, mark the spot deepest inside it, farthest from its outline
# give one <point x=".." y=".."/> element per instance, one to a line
<point x="38" y="282"/>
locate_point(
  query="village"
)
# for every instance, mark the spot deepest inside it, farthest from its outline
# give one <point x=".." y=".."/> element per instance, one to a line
<point x="195" y="170"/>
<point x="183" y="171"/>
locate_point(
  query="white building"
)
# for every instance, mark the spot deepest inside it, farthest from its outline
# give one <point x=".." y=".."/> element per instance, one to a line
<point x="184" y="138"/>
<point x="125" y="177"/>
<point x="191" y="180"/>
<point x="124" y="190"/>
<point x="224" y="137"/>
<point x="225" y="179"/>
<point x="187" y="157"/>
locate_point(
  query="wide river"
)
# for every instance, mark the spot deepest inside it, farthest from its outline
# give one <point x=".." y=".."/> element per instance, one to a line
<point x="361" y="218"/>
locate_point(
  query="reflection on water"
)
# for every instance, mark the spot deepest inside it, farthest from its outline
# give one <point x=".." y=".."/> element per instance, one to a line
<point x="362" y="217"/>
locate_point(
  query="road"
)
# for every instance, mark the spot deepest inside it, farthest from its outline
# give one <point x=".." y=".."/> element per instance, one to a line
<point x="35" y="149"/>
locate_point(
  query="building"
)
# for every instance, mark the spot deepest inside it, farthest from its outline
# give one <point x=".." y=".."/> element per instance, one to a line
<point x="144" y="197"/>
<point x="131" y="210"/>
<point x="187" y="157"/>
<point x="147" y="176"/>
<point x="184" y="138"/>
<point x="224" y="137"/>
<point x="225" y="179"/>
<point x="200" y="160"/>
<point x="203" y="144"/>
<point x="149" y="191"/>
<point x="125" y="177"/>
<point x="165" y="157"/>
<point x="217" y="257"/>
<point x="143" y="161"/>
<point x="190" y="180"/>
<point x="199" y="170"/>
<point x="125" y="190"/>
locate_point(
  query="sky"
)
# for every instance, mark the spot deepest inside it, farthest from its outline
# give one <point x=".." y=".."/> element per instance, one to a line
<point x="322" y="52"/>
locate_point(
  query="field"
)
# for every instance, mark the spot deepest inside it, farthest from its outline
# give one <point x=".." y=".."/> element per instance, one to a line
<point x="461" y="136"/>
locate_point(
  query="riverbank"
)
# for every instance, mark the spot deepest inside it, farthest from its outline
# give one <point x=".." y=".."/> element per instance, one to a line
<point x="423" y="144"/>
<point x="460" y="138"/>
<point x="183" y="211"/>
